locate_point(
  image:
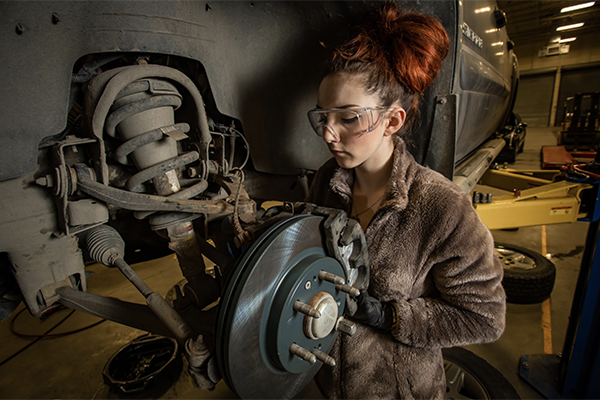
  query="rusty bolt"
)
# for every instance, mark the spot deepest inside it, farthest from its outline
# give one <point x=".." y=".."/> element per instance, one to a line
<point x="348" y="289"/>
<point x="323" y="357"/>
<point x="306" y="309"/>
<point x="329" y="277"/>
<point x="47" y="181"/>
<point x="303" y="353"/>
<point x="192" y="172"/>
<point x="345" y="326"/>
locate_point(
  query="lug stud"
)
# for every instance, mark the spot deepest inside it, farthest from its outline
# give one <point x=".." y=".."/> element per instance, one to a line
<point x="329" y="277"/>
<point x="352" y="291"/>
<point x="323" y="357"/>
<point x="306" y="309"/>
<point x="345" y="326"/>
<point x="303" y="353"/>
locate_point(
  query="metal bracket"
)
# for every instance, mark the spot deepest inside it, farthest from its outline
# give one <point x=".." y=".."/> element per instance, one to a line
<point x="62" y="190"/>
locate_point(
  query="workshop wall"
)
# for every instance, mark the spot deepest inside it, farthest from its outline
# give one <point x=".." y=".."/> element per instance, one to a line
<point x="548" y="81"/>
<point x="534" y="98"/>
<point x="586" y="49"/>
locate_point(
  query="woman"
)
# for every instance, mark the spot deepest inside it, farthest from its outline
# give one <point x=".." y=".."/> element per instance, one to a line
<point x="434" y="279"/>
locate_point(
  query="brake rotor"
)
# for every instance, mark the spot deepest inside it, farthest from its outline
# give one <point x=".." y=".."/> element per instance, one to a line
<point x="264" y="345"/>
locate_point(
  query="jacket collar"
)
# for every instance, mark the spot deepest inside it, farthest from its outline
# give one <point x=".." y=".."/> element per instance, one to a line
<point x="396" y="195"/>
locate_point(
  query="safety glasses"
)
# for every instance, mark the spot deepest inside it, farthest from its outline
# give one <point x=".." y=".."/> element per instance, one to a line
<point x="346" y="122"/>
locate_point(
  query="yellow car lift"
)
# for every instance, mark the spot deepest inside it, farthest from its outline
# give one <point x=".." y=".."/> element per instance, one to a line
<point x="536" y="199"/>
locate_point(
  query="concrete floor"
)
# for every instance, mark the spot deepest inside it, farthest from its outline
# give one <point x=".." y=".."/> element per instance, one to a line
<point x="71" y="366"/>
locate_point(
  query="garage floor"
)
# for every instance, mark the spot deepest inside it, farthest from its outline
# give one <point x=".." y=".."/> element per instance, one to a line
<point x="71" y="366"/>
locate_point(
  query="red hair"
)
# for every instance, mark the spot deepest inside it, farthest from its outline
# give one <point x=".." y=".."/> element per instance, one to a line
<point x="397" y="54"/>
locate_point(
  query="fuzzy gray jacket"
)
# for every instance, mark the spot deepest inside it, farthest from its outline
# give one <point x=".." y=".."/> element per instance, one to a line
<point x="432" y="258"/>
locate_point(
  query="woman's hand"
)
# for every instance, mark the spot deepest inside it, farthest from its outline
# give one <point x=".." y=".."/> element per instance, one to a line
<point x="373" y="312"/>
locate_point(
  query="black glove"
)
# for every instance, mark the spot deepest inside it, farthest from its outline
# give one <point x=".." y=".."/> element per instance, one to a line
<point x="373" y="312"/>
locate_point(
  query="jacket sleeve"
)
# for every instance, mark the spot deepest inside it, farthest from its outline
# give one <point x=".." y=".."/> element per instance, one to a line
<point x="472" y="304"/>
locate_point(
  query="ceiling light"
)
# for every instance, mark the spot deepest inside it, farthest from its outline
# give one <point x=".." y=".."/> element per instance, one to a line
<point x="497" y="44"/>
<point x="571" y="39"/>
<point x="492" y="30"/>
<point x="481" y="10"/>
<point x="555" y="39"/>
<point x="578" y="7"/>
<point x="565" y="27"/>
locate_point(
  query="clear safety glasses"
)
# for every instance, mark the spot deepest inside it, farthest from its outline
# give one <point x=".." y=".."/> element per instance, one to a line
<point x="346" y="122"/>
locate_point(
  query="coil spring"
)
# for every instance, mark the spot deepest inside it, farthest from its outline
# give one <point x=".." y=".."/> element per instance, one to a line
<point x="152" y="97"/>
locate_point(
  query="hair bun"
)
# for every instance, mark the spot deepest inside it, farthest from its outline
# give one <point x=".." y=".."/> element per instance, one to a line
<point x="413" y="45"/>
<point x="396" y="54"/>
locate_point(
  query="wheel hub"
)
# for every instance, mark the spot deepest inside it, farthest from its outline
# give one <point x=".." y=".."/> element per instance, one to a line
<point x="281" y="311"/>
<point x="513" y="259"/>
<point x="319" y="328"/>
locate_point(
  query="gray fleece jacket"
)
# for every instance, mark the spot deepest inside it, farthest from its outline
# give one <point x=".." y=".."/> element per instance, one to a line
<point x="432" y="258"/>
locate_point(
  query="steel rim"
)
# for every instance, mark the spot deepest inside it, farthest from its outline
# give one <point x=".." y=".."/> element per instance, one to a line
<point x="461" y="384"/>
<point x="514" y="259"/>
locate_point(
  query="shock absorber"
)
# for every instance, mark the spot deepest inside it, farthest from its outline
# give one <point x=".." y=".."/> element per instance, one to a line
<point x="141" y="114"/>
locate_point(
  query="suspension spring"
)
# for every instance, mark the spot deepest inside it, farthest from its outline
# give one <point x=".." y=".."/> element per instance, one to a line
<point x="143" y="116"/>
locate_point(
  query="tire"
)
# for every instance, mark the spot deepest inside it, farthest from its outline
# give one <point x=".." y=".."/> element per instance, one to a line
<point x="471" y="377"/>
<point x="528" y="276"/>
<point x="522" y="146"/>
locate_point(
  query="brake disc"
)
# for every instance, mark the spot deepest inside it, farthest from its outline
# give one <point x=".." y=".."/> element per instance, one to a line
<point x="270" y="342"/>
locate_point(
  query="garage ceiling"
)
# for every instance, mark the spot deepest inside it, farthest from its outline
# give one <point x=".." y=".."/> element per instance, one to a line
<point x="536" y="21"/>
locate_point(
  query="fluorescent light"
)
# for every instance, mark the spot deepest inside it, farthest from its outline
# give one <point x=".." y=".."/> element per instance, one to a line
<point x="500" y="53"/>
<point x="482" y="10"/>
<point x="577" y="7"/>
<point x="565" y="27"/>
<point x="492" y="30"/>
<point x="571" y="39"/>
<point x="498" y="44"/>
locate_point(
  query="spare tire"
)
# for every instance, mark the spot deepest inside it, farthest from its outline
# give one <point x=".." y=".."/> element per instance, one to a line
<point x="471" y="377"/>
<point x="528" y="276"/>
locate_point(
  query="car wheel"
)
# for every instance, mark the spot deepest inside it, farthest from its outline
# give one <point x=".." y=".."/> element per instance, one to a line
<point x="528" y="276"/>
<point x="471" y="377"/>
<point x="522" y="145"/>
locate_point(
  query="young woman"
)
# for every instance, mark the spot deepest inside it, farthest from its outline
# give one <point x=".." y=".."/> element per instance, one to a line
<point x="434" y="279"/>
